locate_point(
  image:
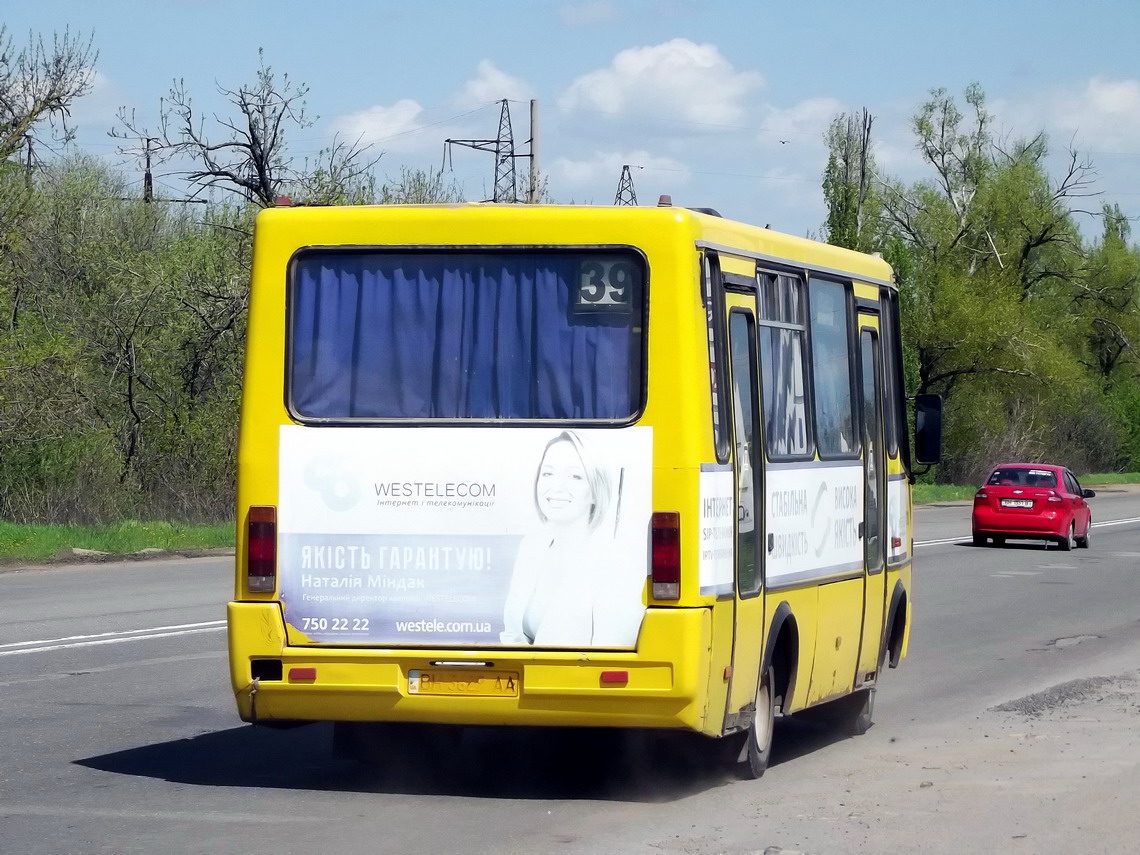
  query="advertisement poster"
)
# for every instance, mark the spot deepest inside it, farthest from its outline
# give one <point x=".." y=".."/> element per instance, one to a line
<point x="813" y="515"/>
<point x="475" y="537"/>
<point x="717" y="533"/>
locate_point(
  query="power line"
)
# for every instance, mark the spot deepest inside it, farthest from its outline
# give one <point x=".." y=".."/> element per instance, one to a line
<point x="503" y="147"/>
<point x="148" y="178"/>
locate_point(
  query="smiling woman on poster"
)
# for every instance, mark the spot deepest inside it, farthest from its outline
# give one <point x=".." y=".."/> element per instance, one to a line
<point x="573" y="584"/>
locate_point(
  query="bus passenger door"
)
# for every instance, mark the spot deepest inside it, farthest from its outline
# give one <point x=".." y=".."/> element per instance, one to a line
<point x="748" y="602"/>
<point x="874" y="497"/>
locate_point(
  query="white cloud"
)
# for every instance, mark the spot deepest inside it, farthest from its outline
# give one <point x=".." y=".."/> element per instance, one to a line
<point x="588" y="14"/>
<point x="1102" y="115"/>
<point x="802" y="125"/>
<point x="382" y="126"/>
<point x="678" y="79"/>
<point x="601" y="167"/>
<point x="492" y="84"/>
<point x="95" y="111"/>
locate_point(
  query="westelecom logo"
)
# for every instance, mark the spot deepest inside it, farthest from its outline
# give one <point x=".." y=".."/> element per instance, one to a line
<point x="332" y="476"/>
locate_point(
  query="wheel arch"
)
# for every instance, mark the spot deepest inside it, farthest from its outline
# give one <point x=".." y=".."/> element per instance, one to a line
<point x="782" y="652"/>
<point x="894" y="628"/>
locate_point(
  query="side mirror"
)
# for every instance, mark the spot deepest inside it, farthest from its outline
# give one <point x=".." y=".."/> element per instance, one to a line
<point x="928" y="429"/>
<point x="1087" y="494"/>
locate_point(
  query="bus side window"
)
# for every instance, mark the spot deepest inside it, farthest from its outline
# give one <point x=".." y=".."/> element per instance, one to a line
<point x="831" y="357"/>
<point x="783" y="326"/>
<point x="712" y="293"/>
<point x="892" y="372"/>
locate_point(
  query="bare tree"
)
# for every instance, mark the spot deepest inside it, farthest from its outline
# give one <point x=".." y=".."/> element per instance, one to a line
<point x="38" y="84"/>
<point x="248" y="153"/>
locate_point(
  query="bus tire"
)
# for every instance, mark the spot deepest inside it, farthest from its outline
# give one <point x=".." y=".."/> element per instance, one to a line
<point x="759" y="748"/>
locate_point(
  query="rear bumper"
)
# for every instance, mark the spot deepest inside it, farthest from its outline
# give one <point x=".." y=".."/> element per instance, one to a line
<point x="667" y="686"/>
<point x="1049" y="524"/>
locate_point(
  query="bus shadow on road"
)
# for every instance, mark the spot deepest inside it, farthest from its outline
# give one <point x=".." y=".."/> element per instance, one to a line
<point x="494" y="763"/>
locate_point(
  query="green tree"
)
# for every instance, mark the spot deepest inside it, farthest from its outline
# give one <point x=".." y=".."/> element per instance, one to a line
<point x="851" y="185"/>
<point x="420" y="187"/>
<point x="118" y="390"/>
<point x="992" y="274"/>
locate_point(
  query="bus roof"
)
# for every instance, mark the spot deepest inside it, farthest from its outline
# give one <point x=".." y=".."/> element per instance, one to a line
<point x="477" y="223"/>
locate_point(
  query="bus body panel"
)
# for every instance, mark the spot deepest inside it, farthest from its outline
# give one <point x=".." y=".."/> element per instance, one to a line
<point x="667" y="679"/>
<point x="838" y="626"/>
<point x="803" y="603"/>
<point x="681" y="670"/>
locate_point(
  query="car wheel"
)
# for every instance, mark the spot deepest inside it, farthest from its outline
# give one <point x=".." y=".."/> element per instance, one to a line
<point x="979" y="539"/>
<point x="1083" y="542"/>
<point x="999" y="542"/>
<point x="1066" y="541"/>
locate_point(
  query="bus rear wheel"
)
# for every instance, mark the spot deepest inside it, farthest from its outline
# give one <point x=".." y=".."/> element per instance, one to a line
<point x="759" y="748"/>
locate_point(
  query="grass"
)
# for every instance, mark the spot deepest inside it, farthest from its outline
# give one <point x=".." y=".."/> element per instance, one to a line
<point x="925" y="494"/>
<point x="1110" y="478"/>
<point x="42" y="542"/>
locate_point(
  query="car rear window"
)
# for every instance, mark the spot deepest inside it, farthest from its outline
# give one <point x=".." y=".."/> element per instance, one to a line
<point x="1022" y="476"/>
<point x="495" y="334"/>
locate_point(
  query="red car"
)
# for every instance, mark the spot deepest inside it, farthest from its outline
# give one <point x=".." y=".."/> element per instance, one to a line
<point x="1035" y="501"/>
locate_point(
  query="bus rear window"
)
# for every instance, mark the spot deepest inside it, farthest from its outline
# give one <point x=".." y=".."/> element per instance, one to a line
<point x="538" y="335"/>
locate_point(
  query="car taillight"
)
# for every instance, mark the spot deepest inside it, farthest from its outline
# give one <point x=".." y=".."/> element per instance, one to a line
<point x="665" y="574"/>
<point x="261" y="549"/>
<point x="1054" y="498"/>
<point x="981" y="494"/>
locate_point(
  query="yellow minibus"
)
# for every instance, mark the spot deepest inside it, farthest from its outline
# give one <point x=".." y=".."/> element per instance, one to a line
<point x="637" y="467"/>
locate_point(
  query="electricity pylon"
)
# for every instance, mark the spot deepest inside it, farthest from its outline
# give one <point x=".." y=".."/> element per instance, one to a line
<point x="626" y="195"/>
<point x="506" y="189"/>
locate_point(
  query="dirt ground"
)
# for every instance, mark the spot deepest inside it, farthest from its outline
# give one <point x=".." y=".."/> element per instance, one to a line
<point x="1054" y="772"/>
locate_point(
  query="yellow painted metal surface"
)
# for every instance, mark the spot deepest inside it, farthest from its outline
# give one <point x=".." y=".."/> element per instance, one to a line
<point x="667" y="685"/>
<point x="677" y="674"/>
<point x="839" y="623"/>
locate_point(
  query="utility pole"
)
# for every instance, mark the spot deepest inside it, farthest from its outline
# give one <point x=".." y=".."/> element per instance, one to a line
<point x="148" y="196"/>
<point x="148" y="178"/>
<point x="31" y="161"/>
<point x="626" y="195"/>
<point x="503" y="147"/>
<point x="532" y="196"/>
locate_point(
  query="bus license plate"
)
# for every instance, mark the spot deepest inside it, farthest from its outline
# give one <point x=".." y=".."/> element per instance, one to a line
<point x="464" y="683"/>
<point x="1017" y="503"/>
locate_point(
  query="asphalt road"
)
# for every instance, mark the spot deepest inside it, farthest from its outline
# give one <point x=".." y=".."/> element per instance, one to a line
<point x="118" y="733"/>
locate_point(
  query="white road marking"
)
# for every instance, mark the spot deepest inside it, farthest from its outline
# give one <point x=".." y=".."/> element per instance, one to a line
<point x="121" y="637"/>
<point x="963" y="537"/>
<point x="1107" y="523"/>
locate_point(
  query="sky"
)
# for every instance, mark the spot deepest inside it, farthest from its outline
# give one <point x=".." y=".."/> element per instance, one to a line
<point x="718" y="103"/>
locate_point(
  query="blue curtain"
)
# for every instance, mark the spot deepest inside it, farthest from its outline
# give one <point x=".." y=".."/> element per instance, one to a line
<point x="438" y="336"/>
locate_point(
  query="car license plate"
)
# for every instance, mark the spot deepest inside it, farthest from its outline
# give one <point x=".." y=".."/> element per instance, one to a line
<point x="1017" y="503"/>
<point x="464" y="683"/>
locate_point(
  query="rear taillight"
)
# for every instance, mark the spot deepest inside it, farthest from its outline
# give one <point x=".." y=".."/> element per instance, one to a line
<point x="261" y="549"/>
<point x="981" y="495"/>
<point x="666" y="568"/>
<point x="1054" y="498"/>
